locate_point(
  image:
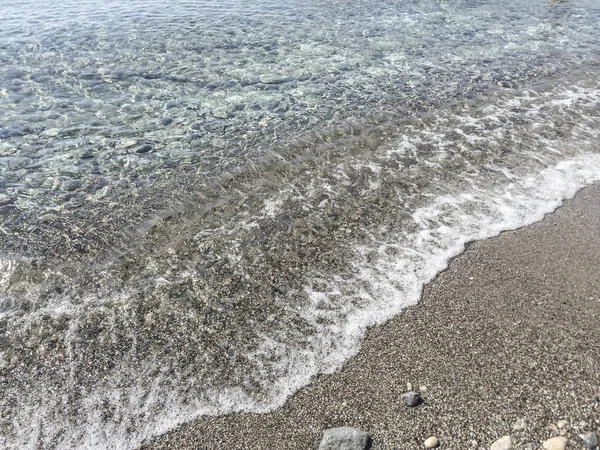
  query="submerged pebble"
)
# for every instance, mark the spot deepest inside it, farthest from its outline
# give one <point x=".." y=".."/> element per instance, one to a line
<point x="144" y="149"/>
<point x="70" y="185"/>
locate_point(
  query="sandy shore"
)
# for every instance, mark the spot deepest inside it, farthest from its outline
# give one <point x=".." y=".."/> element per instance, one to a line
<point x="511" y="330"/>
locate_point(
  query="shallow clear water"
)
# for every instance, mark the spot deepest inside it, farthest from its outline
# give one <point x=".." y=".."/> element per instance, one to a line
<point x="206" y="203"/>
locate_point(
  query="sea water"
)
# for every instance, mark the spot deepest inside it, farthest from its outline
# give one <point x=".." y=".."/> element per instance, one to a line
<point x="204" y="204"/>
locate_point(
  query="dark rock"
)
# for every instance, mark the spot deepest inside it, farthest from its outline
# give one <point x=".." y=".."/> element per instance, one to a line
<point x="344" y="438"/>
<point x="144" y="149"/>
<point x="411" y="399"/>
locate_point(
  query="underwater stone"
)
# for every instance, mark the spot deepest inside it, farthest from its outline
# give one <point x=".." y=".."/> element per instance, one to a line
<point x="5" y="199"/>
<point x="70" y="185"/>
<point x="144" y="149"/>
<point x="16" y="162"/>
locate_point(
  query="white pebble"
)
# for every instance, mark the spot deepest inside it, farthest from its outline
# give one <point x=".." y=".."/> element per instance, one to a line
<point x="556" y="443"/>
<point x="423" y="389"/>
<point x="520" y="424"/>
<point x="562" y="424"/>
<point x="431" y="442"/>
<point x="504" y="443"/>
<point x="52" y="132"/>
<point x="409" y="386"/>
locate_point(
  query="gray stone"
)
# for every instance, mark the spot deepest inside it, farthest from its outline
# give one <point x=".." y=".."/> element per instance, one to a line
<point x="411" y="398"/>
<point x="344" y="438"/>
<point x="589" y="440"/>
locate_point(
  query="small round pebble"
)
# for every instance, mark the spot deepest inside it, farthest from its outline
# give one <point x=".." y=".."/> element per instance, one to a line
<point x="431" y="442"/>
<point x="411" y="398"/>
<point x="589" y="440"/>
<point x="556" y="443"/>
<point x="562" y="424"/>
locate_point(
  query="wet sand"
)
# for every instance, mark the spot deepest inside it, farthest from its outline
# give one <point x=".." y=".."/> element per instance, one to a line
<point x="511" y="330"/>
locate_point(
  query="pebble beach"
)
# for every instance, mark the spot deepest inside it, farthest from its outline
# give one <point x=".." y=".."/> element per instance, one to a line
<point x="234" y="225"/>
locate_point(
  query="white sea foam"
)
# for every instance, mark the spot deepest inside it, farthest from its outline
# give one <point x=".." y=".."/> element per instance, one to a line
<point x="445" y="226"/>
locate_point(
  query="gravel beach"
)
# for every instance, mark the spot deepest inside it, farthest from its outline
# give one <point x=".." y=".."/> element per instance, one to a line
<point x="504" y="342"/>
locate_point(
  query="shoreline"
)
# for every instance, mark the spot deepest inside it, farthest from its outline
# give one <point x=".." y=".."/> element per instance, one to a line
<point x="504" y="334"/>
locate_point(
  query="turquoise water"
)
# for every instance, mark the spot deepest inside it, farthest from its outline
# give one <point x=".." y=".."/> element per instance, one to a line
<point x="204" y="204"/>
